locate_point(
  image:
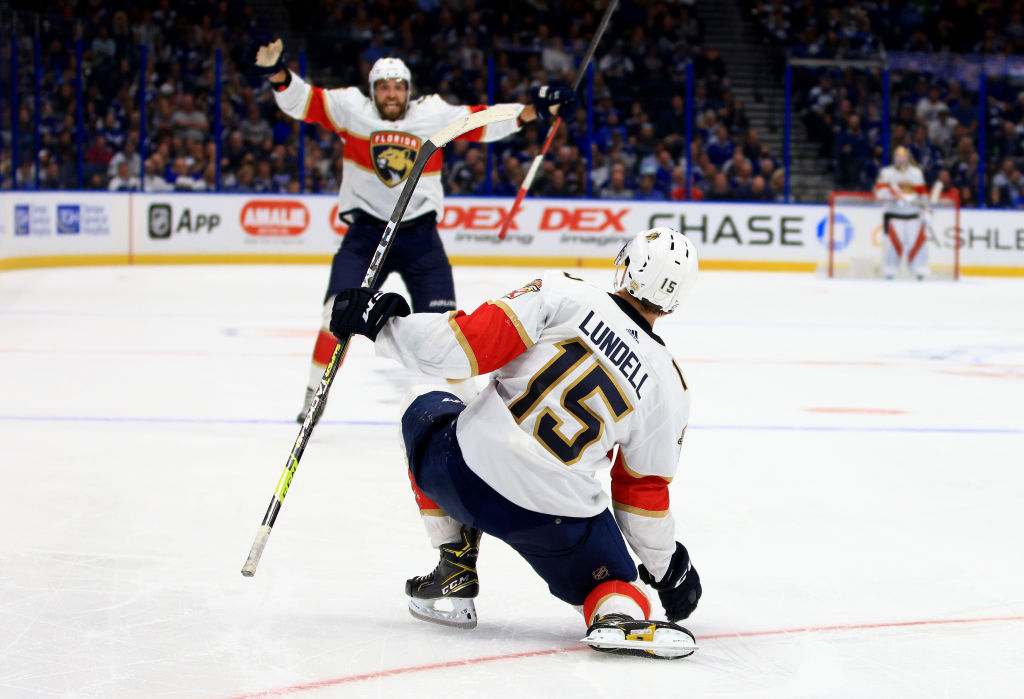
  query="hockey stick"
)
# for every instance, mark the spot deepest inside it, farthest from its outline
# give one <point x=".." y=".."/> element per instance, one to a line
<point x="432" y="145"/>
<point x="535" y="165"/>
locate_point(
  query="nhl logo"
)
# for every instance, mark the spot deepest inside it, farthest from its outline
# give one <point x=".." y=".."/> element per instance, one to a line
<point x="393" y="154"/>
<point x="159" y="221"/>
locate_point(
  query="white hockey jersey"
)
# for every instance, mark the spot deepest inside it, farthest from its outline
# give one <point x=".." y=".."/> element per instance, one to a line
<point x="577" y="372"/>
<point x="901" y="189"/>
<point x="379" y="154"/>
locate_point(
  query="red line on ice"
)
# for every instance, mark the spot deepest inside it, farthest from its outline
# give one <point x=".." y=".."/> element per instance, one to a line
<point x="553" y="651"/>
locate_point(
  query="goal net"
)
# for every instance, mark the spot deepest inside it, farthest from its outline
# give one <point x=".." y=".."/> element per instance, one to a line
<point x="854" y="239"/>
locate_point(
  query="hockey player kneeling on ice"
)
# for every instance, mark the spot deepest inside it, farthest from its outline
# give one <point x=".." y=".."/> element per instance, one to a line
<point x="580" y="382"/>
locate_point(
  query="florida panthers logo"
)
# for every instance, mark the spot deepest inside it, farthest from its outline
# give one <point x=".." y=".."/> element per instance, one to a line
<point x="393" y="154"/>
<point x="531" y="287"/>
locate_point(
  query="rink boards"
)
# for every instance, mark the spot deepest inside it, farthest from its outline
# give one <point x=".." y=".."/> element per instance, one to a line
<point x="74" y="228"/>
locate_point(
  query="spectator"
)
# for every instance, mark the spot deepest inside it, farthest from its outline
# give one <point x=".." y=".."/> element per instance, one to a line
<point x="678" y="192"/>
<point x="647" y="191"/>
<point x="732" y="167"/>
<point x="672" y="121"/>
<point x="600" y="169"/>
<point x="244" y="179"/>
<point x="927" y="155"/>
<point x="997" y="197"/>
<point x="720" y="147"/>
<point x="941" y="130"/>
<point x="928" y="107"/>
<point x="112" y="131"/>
<point x="720" y="189"/>
<point x="154" y="180"/>
<point x="616" y="185"/>
<point x="182" y="180"/>
<point x="254" y="129"/>
<point x="129" y="155"/>
<point x="103" y="47"/>
<point x="555" y="60"/>
<point x="99" y="153"/>
<point x="777" y="185"/>
<point x="612" y="133"/>
<point x="853" y="151"/>
<point x="463" y="179"/>
<point x="1007" y="180"/>
<point x="263" y="182"/>
<point x="759" y="191"/>
<point x="554" y="184"/>
<point x="188" y="121"/>
<point x="124" y="180"/>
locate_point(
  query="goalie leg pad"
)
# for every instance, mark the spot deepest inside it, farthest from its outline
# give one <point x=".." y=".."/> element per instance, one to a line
<point x="645" y="638"/>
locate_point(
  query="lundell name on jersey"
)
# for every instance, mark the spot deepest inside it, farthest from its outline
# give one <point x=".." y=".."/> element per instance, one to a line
<point x="617" y="351"/>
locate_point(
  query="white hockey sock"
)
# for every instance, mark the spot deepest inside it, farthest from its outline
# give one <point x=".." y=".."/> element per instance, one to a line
<point x="441" y="529"/>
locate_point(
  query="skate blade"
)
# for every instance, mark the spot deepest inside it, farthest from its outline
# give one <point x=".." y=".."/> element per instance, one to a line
<point x="666" y="643"/>
<point x="462" y="614"/>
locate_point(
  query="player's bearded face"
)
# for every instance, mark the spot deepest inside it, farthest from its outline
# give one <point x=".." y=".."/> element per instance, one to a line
<point x="391" y="97"/>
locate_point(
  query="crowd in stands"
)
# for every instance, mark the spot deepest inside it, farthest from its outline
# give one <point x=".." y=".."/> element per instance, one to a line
<point x="631" y="145"/>
<point x="934" y="111"/>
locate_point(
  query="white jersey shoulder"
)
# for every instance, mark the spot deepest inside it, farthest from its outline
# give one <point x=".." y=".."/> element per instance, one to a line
<point x="592" y="377"/>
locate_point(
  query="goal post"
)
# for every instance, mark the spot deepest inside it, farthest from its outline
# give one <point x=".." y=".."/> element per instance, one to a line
<point x="854" y="237"/>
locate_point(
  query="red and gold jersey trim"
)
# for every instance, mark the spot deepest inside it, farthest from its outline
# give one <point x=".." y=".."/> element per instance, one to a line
<point x="646" y="496"/>
<point x="491" y="336"/>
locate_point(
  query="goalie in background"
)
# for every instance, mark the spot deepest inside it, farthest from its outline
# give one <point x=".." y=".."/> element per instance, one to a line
<point x="580" y="383"/>
<point x="904" y="222"/>
<point x="383" y="133"/>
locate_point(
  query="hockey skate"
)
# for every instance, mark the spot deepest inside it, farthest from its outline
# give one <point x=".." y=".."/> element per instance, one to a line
<point x="307" y="401"/>
<point x="619" y="633"/>
<point x="445" y="596"/>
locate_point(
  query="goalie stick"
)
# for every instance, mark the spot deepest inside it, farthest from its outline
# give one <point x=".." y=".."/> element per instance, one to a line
<point x="432" y="145"/>
<point x="535" y="165"/>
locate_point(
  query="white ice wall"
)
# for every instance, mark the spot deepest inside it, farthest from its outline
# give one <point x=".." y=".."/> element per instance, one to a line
<point x="52" y="228"/>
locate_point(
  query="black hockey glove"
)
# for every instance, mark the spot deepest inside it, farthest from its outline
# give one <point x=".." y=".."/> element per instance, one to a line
<point x="680" y="589"/>
<point x="364" y="312"/>
<point x="547" y="96"/>
<point x="268" y="56"/>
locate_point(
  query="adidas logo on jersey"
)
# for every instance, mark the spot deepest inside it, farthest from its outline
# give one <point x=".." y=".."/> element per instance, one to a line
<point x="633" y="334"/>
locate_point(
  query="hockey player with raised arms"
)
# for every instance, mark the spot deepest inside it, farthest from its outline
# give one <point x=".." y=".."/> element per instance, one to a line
<point x="901" y="186"/>
<point x="383" y="134"/>
<point x="580" y="383"/>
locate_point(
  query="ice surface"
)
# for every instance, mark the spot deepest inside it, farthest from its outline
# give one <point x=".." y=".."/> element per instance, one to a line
<point x="850" y="491"/>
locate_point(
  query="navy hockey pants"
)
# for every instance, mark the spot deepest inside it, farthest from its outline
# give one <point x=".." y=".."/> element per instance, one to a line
<point x="572" y="554"/>
<point x="416" y="254"/>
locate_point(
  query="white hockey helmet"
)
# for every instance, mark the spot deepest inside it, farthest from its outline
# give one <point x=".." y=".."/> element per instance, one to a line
<point x="388" y="68"/>
<point x="658" y="266"/>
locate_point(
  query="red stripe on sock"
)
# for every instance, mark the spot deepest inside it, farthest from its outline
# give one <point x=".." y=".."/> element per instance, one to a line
<point x="324" y="349"/>
<point x="609" y="589"/>
<point x="422" y="501"/>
